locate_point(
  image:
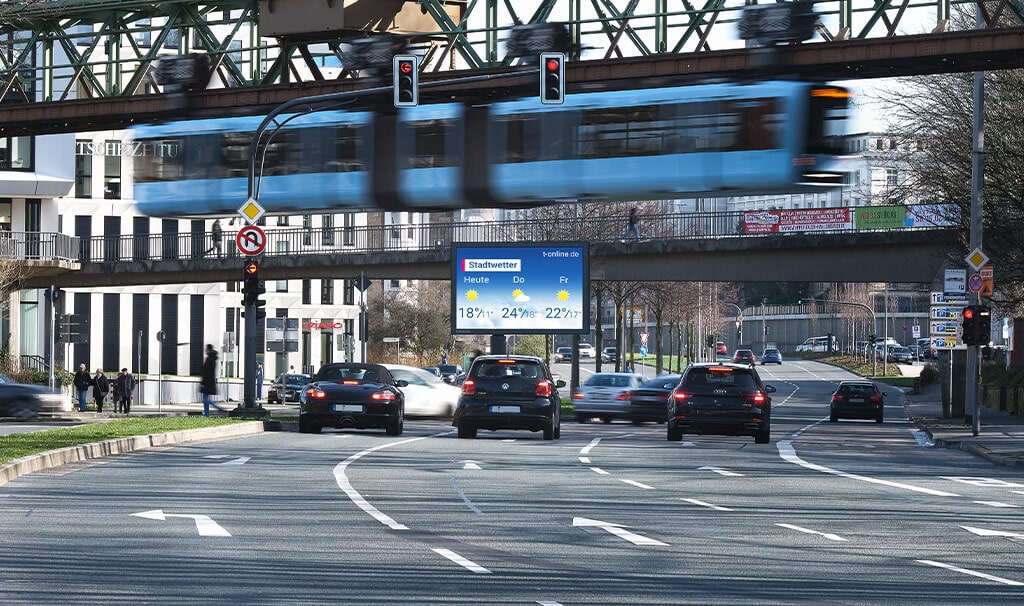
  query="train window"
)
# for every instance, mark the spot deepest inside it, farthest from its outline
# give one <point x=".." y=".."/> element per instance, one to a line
<point x="159" y="160"/>
<point x="623" y="131"/>
<point x="346" y="156"/>
<point x="522" y="138"/>
<point x="826" y="120"/>
<point x="750" y="124"/>
<point x="698" y="127"/>
<point x="431" y="143"/>
<point x="236" y="154"/>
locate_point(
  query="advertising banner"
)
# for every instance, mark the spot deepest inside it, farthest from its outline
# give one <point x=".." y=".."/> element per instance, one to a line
<point x="809" y="219"/>
<point x="880" y="217"/>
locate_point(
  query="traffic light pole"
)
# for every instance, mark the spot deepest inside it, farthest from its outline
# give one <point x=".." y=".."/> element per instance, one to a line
<point x="971" y="399"/>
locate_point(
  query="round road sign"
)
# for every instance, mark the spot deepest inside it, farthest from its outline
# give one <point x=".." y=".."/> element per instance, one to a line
<point x="251" y="240"/>
<point x="975" y="282"/>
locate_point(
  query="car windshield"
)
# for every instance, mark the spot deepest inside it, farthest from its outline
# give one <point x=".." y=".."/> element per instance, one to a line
<point x="351" y="372"/>
<point x="523" y="369"/>
<point x="608" y="381"/>
<point x="719" y="377"/>
<point x="771" y="352"/>
<point x="857" y="390"/>
<point x="299" y="380"/>
<point x="450" y="368"/>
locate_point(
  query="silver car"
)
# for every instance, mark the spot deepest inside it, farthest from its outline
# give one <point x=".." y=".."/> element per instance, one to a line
<point x="605" y="395"/>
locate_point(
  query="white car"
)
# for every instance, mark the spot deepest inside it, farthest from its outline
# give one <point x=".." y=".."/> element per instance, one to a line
<point x="426" y="395"/>
<point x="587" y="351"/>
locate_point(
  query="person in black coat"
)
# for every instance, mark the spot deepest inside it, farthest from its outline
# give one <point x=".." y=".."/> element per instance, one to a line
<point x="208" y="380"/>
<point x="100" y="388"/>
<point x="124" y="389"/>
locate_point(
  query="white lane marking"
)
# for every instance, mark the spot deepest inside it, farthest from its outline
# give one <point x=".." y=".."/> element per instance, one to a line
<point x="509" y="440"/>
<point x="585" y="460"/>
<point x="599" y="470"/>
<point x="986" y="482"/>
<point x="353" y="494"/>
<point x="637" y="484"/>
<point x="788" y="454"/>
<point x="708" y="505"/>
<point x="204" y="524"/>
<point x="971" y="572"/>
<point x="548" y="603"/>
<point x="1017" y="491"/>
<point x="461" y="561"/>
<point x="985" y="532"/>
<point x="686" y="444"/>
<point x="995" y="504"/>
<point x="589" y="447"/>
<point x="720" y="471"/>
<point x="827" y="535"/>
<point x="238" y="461"/>
<point x="465" y="499"/>
<point x="617" y="530"/>
<point x="469" y="464"/>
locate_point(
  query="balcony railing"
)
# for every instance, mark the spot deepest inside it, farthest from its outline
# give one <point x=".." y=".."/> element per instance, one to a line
<point x="42" y="246"/>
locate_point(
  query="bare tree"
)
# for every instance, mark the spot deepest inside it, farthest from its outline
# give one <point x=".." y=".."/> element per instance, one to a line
<point x="13" y="273"/>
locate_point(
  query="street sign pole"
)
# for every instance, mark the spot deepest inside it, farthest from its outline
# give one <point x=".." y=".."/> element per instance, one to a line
<point x="977" y="197"/>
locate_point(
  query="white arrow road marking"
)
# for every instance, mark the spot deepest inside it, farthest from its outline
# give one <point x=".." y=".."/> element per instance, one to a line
<point x="637" y="484"/>
<point x="599" y="470"/>
<point x="971" y="572"/>
<point x="995" y="504"/>
<point x="788" y="454"/>
<point x="585" y="460"/>
<point x="985" y="532"/>
<point x="204" y="524"/>
<point x="461" y="561"/>
<point x="827" y="535"/>
<point x="217" y="456"/>
<point x="469" y="464"/>
<point x="589" y="447"/>
<point x="720" y="471"/>
<point x="708" y="505"/>
<point x="617" y="530"/>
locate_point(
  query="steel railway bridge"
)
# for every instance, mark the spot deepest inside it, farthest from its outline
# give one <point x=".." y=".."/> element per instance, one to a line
<point x="81" y="65"/>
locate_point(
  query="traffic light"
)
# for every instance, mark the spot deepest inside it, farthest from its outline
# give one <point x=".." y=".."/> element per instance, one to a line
<point x="969" y="325"/>
<point x="710" y="341"/>
<point x="767" y="330"/>
<point x="552" y="78"/>
<point x="984" y="324"/>
<point x="407" y="81"/>
<point x="252" y="288"/>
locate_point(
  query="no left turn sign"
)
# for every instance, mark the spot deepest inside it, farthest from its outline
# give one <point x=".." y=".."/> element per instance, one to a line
<point x="251" y="240"/>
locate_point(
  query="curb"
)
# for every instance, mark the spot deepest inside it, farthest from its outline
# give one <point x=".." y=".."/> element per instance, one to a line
<point x="98" y="450"/>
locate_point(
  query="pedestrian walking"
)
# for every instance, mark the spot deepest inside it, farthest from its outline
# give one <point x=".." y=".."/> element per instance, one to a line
<point x="208" y="380"/>
<point x="259" y="380"/>
<point x="100" y="388"/>
<point x="124" y="391"/>
<point x="82" y="383"/>
<point x="218" y="236"/>
<point x="632" y="227"/>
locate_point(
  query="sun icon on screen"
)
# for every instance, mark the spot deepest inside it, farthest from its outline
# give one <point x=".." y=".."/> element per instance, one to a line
<point x="563" y="295"/>
<point x="517" y="293"/>
<point x="472" y="295"/>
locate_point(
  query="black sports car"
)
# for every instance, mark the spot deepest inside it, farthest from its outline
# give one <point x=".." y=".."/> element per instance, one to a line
<point x="23" y="401"/>
<point x="352" y="396"/>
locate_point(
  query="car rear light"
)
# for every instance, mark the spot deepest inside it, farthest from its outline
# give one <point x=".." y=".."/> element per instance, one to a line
<point x="624" y="396"/>
<point x="837" y="398"/>
<point x="316" y="394"/>
<point x="350" y="382"/>
<point x="679" y="396"/>
<point x="543" y="389"/>
<point x="876" y="399"/>
<point x="383" y="396"/>
<point x="578" y="395"/>
<point x="468" y="387"/>
<point x="758" y="398"/>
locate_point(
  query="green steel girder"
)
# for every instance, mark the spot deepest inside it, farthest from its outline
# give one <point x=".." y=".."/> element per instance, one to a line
<point x="64" y="42"/>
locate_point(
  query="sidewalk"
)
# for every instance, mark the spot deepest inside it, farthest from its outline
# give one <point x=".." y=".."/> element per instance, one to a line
<point x="1001" y="439"/>
<point x="171" y="410"/>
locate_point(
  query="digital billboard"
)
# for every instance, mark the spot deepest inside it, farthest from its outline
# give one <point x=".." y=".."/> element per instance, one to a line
<point x="521" y="288"/>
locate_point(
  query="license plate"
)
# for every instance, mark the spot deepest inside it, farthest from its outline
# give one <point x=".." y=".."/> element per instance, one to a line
<point x="347" y="408"/>
<point x="504" y="409"/>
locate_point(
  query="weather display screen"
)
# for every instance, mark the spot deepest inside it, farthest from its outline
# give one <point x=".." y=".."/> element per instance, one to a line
<point x="520" y="289"/>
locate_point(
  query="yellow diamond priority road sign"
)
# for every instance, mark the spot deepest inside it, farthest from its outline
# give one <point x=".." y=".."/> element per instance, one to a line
<point x="977" y="259"/>
<point x="251" y="211"/>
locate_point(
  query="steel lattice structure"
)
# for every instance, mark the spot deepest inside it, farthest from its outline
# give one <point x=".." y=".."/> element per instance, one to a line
<point x="54" y="50"/>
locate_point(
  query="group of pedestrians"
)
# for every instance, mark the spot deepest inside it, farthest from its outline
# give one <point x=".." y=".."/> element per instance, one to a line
<point x="123" y="388"/>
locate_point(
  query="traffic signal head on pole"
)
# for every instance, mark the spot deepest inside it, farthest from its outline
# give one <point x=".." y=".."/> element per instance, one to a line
<point x="552" y="78"/>
<point x="251" y="286"/>
<point x="407" y="81"/>
<point x="984" y="324"/>
<point x="969" y="325"/>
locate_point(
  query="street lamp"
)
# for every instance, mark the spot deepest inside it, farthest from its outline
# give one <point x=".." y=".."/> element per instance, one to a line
<point x="739" y="323"/>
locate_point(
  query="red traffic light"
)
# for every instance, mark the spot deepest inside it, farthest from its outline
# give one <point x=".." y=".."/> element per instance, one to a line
<point x="553" y="65"/>
<point x="252" y="268"/>
<point x="405" y="67"/>
<point x="968" y="313"/>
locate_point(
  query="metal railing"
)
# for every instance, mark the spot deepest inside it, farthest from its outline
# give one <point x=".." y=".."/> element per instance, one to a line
<point x="43" y="246"/>
<point x="423" y="237"/>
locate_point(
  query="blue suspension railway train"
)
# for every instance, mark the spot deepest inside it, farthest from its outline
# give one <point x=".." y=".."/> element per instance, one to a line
<point x="709" y="139"/>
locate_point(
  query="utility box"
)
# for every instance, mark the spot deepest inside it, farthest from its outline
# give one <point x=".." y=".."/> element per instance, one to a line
<point x="326" y="19"/>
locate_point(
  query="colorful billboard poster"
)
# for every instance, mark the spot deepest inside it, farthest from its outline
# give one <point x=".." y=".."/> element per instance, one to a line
<point x="809" y="219"/>
<point x="521" y="289"/>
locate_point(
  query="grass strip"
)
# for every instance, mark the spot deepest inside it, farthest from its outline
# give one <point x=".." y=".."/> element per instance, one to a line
<point x="25" y="444"/>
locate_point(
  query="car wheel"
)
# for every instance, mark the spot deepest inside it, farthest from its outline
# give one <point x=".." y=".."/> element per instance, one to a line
<point x="307" y="425"/>
<point x="549" y="431"/>
<point x="558" y="431"/>
<point x="880" y="418"/>
<point x="764" y="434"/>
<point x="675" y="434"/>
<point x="467" y="431"/>
<point x="24" y="409"/>
<point x="394" y="426"/>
